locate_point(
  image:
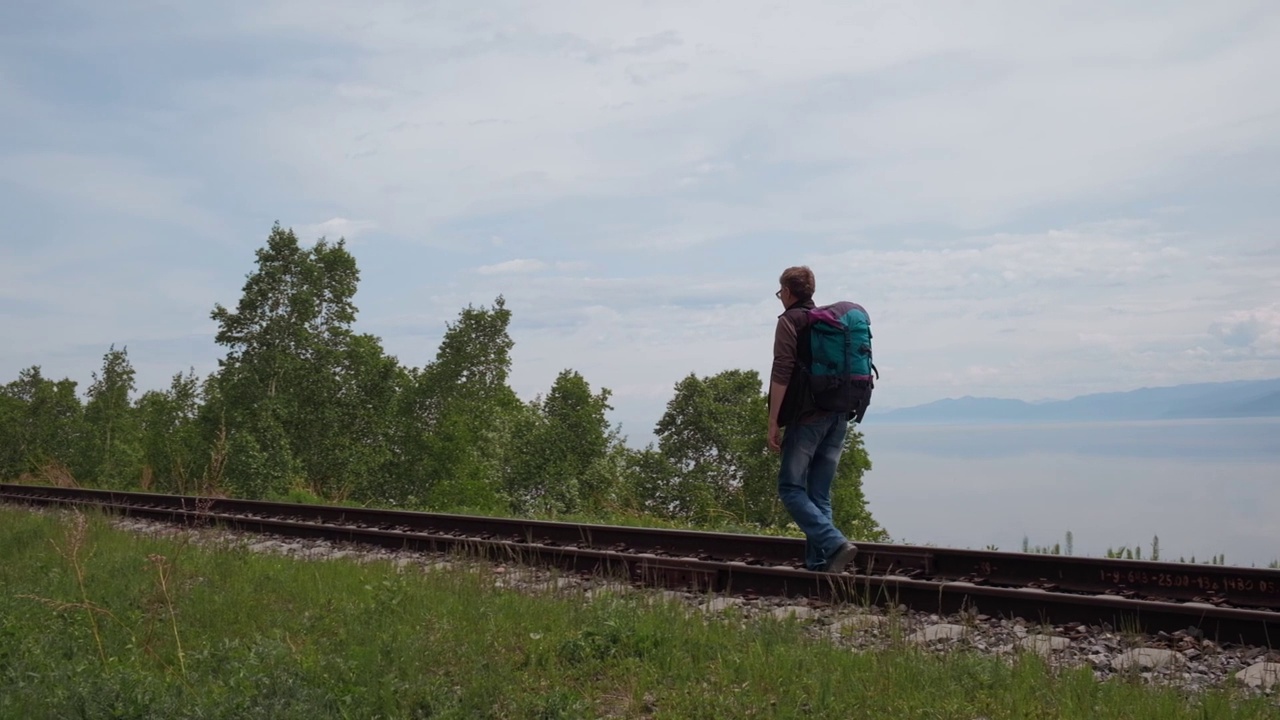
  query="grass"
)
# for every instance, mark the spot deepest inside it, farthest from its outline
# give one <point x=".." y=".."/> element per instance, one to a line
<point x="98" y="623"/>
<point x="1126" y="552"/>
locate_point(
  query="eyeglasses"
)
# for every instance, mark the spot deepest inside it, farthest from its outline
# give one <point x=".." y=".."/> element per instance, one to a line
<point x="778" y="294"/>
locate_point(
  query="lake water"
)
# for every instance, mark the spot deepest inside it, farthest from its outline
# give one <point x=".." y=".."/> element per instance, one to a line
<point x="1204" y="487"/>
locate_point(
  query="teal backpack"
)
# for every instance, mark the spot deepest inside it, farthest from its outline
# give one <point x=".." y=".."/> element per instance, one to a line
<point x="835" y="370"/>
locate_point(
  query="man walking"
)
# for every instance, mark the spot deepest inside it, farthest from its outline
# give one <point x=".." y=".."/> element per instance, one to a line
<point x="814" y="438"/>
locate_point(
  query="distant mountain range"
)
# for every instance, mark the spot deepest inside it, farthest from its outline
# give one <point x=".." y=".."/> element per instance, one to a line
<point x="1242" y="399"/>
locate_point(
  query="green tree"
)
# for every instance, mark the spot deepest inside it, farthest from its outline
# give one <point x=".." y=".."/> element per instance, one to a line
<point x="13" y="461"/>
<point x="559" y="457"/>
<point x="711" y="435"/>
<point x="713" y="463"/>
<point x="295" y="311"/>
<point x="174" y="454"/>
<point x="456" y="414"/>
<point x="214" y="435"/>
<point x="43" y="423"/>
<point x="260" y="462"/>
<point x="369" y="386"/>
<point x="112" y="454"/>
<point x="285" y="386"/>
<point x="650" y="484"/>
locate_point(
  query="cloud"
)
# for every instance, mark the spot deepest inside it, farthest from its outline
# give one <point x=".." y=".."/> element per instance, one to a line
<point x="845" y="116"/>
<point x="1105" y="305"/>
<point x="1256" y="329"/>
<point x="110" y="185"/>
<point x="1076" y="309"/>
<point x="1031" y="200"/>
<point x="335" y="228"/>
<point x="518" y="265"/>
<point x="525" y="266"/>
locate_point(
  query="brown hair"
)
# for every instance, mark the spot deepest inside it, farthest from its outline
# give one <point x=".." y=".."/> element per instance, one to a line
<point x="799" y="280"/>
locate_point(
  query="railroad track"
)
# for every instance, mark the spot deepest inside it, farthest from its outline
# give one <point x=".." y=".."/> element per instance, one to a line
<point x="1232" y="605"/>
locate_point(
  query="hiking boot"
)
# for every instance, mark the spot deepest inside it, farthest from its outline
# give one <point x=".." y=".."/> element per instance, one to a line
<point x="842" y="557"/>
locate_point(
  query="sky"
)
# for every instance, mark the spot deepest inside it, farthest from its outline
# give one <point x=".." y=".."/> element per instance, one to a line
<point x="1032" y="200"/>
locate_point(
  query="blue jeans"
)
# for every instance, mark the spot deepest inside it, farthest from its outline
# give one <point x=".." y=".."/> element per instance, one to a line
<point x="810" y="455"/>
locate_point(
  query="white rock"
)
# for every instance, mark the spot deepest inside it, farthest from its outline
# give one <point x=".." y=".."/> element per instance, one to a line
<point x="1147" y="658"/>
<point x="938" y="632"/>
<point x="1044" y="645"/>
<point x="720" y="604"/>
<point x="1263" y="675"/>
<point x="607" y="590"/>
<point x="857" y="622"/>
<point x="798" y="612"/>
<point x="665" y="596"/>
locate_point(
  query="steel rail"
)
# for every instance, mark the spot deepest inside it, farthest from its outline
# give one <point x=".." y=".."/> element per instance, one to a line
<point x="1216" y="584"/>
<point x="681" y="559"/>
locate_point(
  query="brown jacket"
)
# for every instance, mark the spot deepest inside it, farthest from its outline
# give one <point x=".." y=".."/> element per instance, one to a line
<point x="786" y="356"/>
